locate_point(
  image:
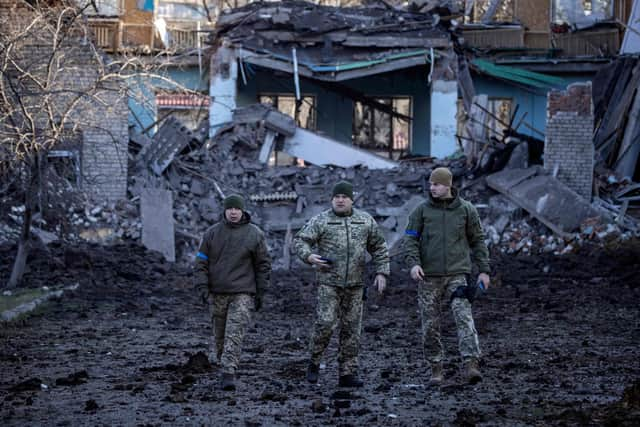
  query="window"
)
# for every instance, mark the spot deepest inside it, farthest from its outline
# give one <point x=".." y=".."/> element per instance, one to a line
<point x="580" y="12"/>
<point x="503" y="12"/>
<point x="381" y="133"/>
<point x="305" y="118"/>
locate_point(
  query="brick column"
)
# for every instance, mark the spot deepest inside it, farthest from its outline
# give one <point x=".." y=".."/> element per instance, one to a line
<point x="568" y="144"/>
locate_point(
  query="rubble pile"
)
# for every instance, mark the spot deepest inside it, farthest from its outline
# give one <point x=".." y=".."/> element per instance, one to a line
<point x="280" y="200"/>
<point x="529" y="237"/>
<point x="200" y="173"/>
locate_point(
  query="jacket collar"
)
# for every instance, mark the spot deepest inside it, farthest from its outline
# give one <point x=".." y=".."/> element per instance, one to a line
<point x="445" y="203"/>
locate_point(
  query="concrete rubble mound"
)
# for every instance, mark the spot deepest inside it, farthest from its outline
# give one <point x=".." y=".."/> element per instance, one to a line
<point x="200" y="172"/>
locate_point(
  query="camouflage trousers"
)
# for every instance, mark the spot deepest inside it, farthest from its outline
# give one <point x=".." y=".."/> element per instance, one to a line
<point x="338" y="307"/>
<point x="431" y="293"/>
<point x="231" y="314"/>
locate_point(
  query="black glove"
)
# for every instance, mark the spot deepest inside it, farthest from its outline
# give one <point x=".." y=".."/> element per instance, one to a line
<point x="258" y="302"/>
<point x="474" y="291"/>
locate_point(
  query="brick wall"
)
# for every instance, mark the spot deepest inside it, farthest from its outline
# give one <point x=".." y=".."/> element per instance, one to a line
<point x="569" y="139"/>
<point x="100" y="115"/>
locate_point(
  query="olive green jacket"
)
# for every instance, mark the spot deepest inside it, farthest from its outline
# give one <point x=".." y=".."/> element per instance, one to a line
<point x="233" y="258"/>
<point x="444" y="236"/>
<point x="345" y="240"/>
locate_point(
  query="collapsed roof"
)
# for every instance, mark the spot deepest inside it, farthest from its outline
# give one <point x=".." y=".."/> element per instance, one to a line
<point x="330" y="43"/>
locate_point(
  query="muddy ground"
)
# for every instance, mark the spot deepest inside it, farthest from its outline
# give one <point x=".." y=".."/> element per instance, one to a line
<point x="560" y="336"/>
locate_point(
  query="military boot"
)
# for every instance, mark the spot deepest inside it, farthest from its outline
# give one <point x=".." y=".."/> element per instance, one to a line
<point x="312" y="373"/>
<point x="349" y="381"/>
<point x="228" y="383"/>
<point x="472" y="371"/>
<point x="436" y="374"/>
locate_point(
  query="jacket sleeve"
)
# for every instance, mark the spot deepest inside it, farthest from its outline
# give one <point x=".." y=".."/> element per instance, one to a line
<point x="201" y="267"/>
<point x="306" y="238"/>
<point x="411" y="240"/>
<point x="475" y="237"/>
<point x="262" y="265"/>
<point x="377" y="247"/>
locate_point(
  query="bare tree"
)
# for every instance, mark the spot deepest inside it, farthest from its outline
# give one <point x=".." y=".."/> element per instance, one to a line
<point x="55" y="83"/>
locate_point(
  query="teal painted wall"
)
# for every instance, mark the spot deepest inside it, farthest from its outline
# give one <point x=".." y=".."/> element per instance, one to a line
<point x="531" y="101"/>
<point x="142" y="92"/>
<point x="334" y="111"/>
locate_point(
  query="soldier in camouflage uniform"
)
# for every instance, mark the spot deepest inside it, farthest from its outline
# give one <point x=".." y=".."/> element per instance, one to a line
<point x="442" y="237"/>
<point x="232" y="271"/>
<point x="335" y="242"/>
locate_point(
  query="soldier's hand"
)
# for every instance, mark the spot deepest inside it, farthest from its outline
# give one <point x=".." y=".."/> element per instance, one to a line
<point x="380" y="282"/>
<point x="315" y="259"/>
<point x="484" y="277"/>
<point x="417" y="273"/>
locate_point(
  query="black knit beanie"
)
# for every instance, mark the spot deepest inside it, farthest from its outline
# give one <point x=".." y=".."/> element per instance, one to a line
<point x="343" y="187"/>
<point x="233" y="201"/>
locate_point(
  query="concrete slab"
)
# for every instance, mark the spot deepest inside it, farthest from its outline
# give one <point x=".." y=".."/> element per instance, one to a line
<point x="156" y="209"/>
<point x="304" y="144"/>
<point x="170" y="139"/>
<point x="280" y="123"/>
<point x="544" y="197"/>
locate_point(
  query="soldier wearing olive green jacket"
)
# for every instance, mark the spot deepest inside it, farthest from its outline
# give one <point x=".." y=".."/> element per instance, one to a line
<point x="336" y="241"/>
<point x="443" y="237"/>
<point x="232" y="271"/>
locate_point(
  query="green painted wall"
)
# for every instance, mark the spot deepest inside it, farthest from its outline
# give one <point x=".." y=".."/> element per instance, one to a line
<point x="335" y="111"/>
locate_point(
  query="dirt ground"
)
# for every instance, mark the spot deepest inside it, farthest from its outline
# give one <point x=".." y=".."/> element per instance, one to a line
<point x="560" y="337"/>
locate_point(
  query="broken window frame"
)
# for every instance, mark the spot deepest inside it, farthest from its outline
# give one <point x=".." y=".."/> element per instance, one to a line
<point x="493" y="126"/>
<point x="399" y="143"/>
<point x="495" y="120"/>
<point x="577" y="18"/>
<point x="279" y="158"/>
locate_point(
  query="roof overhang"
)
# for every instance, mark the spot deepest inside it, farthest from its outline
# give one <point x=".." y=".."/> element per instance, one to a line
<point x="517" y="75"/>
<point x="339" y="71"/>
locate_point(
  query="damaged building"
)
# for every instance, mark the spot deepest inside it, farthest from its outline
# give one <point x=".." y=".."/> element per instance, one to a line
<point x="378" y="96"/>
<point x="374" y="77"/>
<point x="518" y="51"/>
<point x="91" y="152"/>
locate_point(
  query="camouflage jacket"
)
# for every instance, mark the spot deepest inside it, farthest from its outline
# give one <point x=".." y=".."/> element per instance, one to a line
<point x="444" y="237"/>
<point x="233" y="258"/>
<point x="345" y="240"/>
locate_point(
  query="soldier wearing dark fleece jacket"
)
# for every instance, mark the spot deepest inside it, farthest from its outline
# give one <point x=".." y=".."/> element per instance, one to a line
<point x="232" y="271"/>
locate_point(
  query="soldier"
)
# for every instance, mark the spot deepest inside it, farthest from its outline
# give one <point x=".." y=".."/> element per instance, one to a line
<point x="442" y="238"/>
<point x="335" y="242"/>
<point x="232" y="271"/>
